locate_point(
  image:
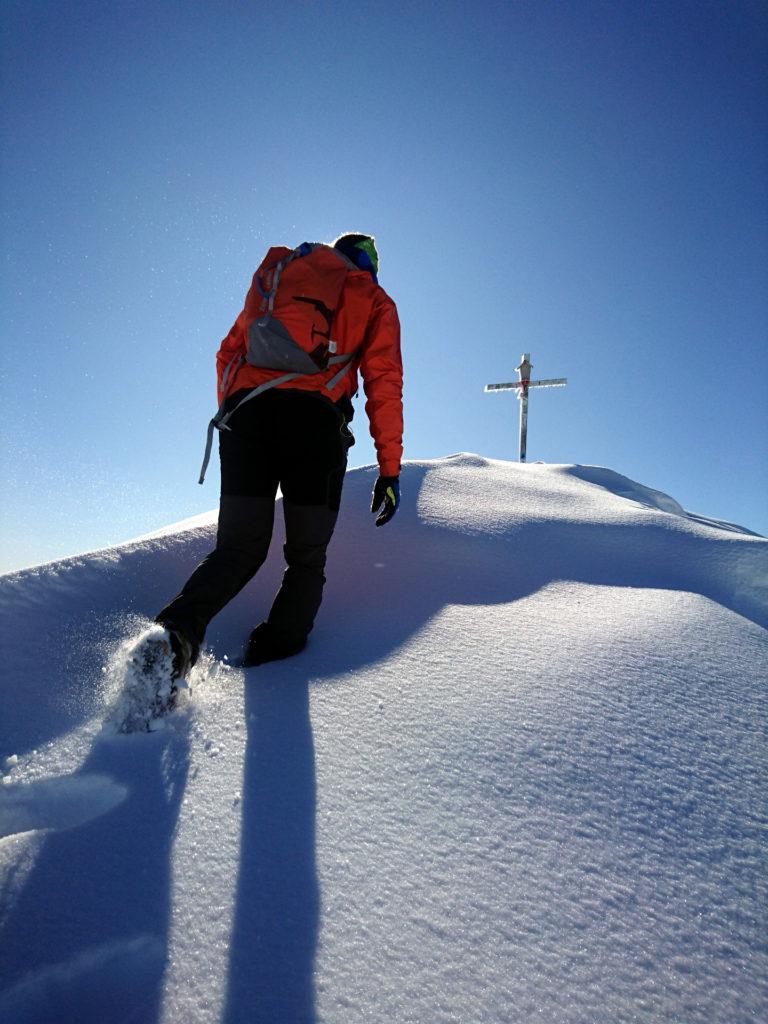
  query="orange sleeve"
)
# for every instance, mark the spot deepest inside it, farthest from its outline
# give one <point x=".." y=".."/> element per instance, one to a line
<point x="233" y="344"/>
<point x="381" y="368"/>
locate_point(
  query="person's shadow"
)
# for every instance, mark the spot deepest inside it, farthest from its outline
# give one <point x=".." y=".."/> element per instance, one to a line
<point x="84" y="932"/>
<point x="275" y="928"/>
<point x="86" y="939"/>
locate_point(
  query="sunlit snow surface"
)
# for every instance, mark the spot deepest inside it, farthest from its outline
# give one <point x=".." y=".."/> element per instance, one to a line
<point x="517" y="776"/>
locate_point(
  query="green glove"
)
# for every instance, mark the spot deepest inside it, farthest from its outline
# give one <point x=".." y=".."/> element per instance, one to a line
<point x="386" y="492"/>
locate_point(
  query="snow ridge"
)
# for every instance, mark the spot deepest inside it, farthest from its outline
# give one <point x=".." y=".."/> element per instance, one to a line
<point x="517" y="775"/>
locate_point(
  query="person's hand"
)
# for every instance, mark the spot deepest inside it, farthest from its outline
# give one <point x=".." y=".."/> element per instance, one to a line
<point x="386" y="492"/>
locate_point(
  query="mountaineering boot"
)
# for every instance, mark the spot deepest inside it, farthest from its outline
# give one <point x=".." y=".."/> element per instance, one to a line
<point x="267" y="644"/>
<point x="162" y="660"/>
<point x="183" y="655"/>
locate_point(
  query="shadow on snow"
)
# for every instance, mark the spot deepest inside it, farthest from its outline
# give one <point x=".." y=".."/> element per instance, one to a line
<point x="86" y="939"/>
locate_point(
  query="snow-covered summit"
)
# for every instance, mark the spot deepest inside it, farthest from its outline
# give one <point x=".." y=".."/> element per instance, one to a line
<point x="516" y="776"/>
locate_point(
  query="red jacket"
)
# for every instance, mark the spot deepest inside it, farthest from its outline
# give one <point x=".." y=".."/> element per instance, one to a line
<point x="365" y="321"/>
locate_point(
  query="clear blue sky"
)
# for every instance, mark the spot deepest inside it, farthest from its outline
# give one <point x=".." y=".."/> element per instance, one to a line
<point x="583" y="180"/>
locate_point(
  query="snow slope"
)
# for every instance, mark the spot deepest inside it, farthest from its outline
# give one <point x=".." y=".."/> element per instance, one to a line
<point x="517" y="776"/>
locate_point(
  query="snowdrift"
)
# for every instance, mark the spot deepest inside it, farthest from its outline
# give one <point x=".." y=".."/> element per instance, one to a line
<point x="516" y="776"/>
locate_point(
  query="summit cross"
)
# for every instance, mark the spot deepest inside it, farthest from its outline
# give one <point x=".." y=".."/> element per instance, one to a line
<point x="522" y="387"/>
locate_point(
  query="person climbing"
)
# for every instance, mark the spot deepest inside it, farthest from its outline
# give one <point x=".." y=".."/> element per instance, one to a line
<point x="319" y="313"/>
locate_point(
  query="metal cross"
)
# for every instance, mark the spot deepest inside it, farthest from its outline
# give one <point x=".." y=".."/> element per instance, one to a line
<point x="522" y="386"/>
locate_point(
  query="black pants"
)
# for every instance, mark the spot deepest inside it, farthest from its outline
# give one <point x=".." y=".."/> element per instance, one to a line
<point x="298" y="442"/>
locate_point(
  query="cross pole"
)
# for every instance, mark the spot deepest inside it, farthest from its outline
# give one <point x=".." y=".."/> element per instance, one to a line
<point x="522" y="387"/>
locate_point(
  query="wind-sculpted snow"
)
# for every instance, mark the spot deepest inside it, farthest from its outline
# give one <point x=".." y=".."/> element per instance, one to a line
<point x="517" y="775"/>
<point x="57" y="803"/>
